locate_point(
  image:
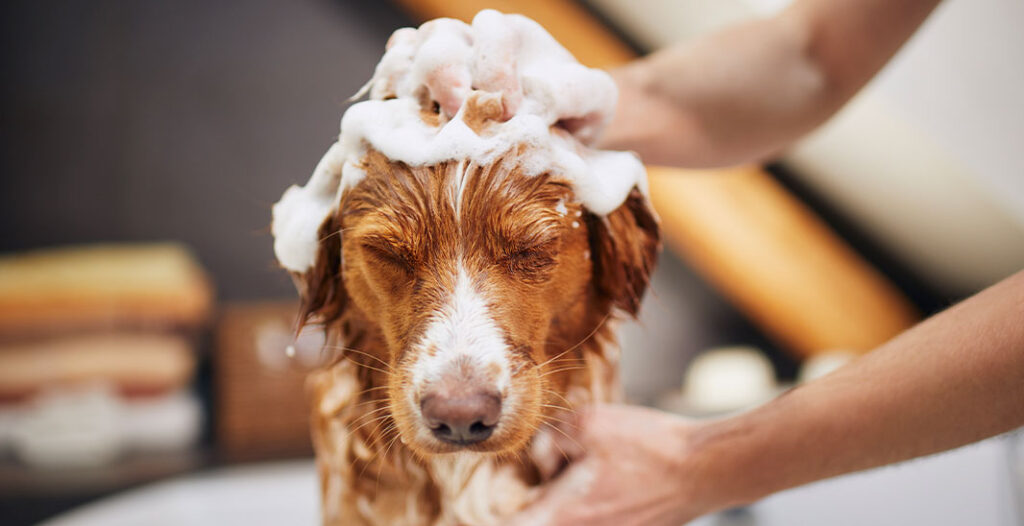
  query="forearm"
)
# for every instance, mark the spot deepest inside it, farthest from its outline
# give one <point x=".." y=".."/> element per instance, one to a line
<point x="954" y="379"/>
<point x="744" y="93"/>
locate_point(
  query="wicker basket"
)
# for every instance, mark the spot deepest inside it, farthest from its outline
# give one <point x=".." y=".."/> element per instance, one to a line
<point x="261" y="410"/>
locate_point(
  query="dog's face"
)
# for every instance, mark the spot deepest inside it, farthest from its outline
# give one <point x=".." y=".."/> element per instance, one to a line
<point x="477" y="282"/>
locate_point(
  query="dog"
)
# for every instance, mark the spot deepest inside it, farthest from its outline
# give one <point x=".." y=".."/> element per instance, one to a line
<point x="470" y="305"/>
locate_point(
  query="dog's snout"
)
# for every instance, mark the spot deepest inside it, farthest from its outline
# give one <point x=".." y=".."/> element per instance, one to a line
<point x="461" y="418"/>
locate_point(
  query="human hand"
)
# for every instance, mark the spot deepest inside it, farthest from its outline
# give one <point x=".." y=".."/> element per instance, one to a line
<point x="628" y="466"/>
<point x="660" y="128"/>
<point x="508" y="57"/>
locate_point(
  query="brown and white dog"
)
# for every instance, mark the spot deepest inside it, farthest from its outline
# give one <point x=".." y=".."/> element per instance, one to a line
<point x="469" y="305"/>
<point x="474" y="304"/>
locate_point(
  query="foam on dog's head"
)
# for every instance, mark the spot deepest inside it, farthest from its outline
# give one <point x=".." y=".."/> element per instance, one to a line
<point x="551" y="110"/>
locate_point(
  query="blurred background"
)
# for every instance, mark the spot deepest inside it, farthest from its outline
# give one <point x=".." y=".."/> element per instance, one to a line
<point x="143" y="319"/>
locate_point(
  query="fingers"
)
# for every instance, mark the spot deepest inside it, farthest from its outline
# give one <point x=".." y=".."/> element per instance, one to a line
<point x="496" y="62"/>
<point x="442" y="63"/>
<point x="506" y="55"/>
<point x="448" y="85"/>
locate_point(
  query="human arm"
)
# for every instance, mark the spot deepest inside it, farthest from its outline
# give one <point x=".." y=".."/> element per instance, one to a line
<point x="955" y="378"/>
<point x="744" y="93"/>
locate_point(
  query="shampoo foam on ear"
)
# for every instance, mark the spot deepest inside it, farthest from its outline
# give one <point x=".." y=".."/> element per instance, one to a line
<point x="554" y="108"/>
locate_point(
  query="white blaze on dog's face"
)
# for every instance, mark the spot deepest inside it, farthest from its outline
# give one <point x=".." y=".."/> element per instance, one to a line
<point x="461" y="370"/>
<point x="463" y="335"/>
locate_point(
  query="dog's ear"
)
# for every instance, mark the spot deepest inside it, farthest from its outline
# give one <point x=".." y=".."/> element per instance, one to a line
<point x="624" y="247"/>
<point x="321" y="289"/>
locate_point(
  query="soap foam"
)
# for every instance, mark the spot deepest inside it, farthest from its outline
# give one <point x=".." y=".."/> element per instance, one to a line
<point x="552" y="105"/>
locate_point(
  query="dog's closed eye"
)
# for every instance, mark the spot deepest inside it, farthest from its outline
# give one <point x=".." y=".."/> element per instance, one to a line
<point x="391" y="255"/>
<point x="531" y="263"/>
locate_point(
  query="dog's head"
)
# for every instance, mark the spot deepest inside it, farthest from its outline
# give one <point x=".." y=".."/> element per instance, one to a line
<point x="477" y="282"/>
<point x="464" y="280"/>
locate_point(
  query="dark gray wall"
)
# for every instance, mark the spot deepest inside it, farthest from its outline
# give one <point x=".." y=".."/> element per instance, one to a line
<point x="174" y="119"/>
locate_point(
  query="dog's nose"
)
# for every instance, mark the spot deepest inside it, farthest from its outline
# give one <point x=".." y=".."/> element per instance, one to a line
<point x="463" y="418"/>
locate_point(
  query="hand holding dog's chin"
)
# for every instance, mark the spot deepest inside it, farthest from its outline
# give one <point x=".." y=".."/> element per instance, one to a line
<point x="629" y="466"/>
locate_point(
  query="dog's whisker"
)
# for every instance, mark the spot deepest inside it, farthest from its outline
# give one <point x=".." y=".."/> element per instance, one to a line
<point x="334" y="233"/>
<point x="364" y="353"/>
<point x="560" y="421"/>
<point x="364" y="424"/>
<point x="351" y="434"/>
<point x="564" y="454"/>
<point x="373" y="401"/>
<point x="560" y="370"/>
<point x="380" y="435"/>
<point x="574" y="362"/>
<point x="566" y="435"/>
<point x="581" y="342"/>
<point x="383" y="460"/>
<point x="348" y="407"/>
<point x="557" y="356"/>
<point x="372" y="368"/>
<point x="580" y="364"/>
<point x="555" y="406"/>
<point x="364" y="391"/>
<point x="565" y="359"/>
<point x="379" y="409"/>
<point x="556" y="393"/>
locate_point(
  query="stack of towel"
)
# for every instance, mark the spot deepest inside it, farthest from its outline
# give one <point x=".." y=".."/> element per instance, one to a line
<point x="97" y="352"/>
